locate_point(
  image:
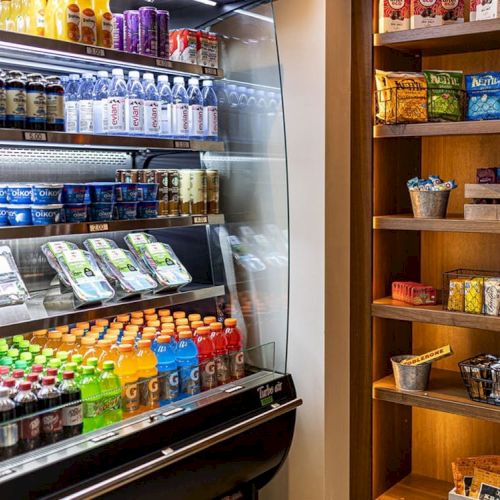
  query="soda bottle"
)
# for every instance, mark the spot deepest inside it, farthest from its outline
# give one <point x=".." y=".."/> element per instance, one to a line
<point x="18" y="376"/>
<point x="111" y="394"/>
<point x="27" y="357"/>
<point x="39" y="337"/>
<point x="235" y="349"/>
<point x="4" y="372"/>
<point x="72" y="412"/>
<point x="126" y="369"/>
<point x="23" y="346"/>
<point x="104" y="19"/>
<point x="187" y="361"/>
<point x="94" y="362"/>
<point x="48" y="353"/>
<point x="180" y="108"/>
<point x="147" y="372"/>
<point x="210" y="111"/>
<point x="9" y="435"/>
<point x="54" y="340"/>
<point x="134" y="104"/>
<point x="40" y="360"/>
<point x="21" y="365"/>
<point x="86" y="105"/>
<point x="34" y="380"/>
<point x="165" y="94"/>
<point x="91" y="397"/>
<point x="71" y="104"/>
<point x="88" y="24"/>
<point x="221" y="353"/>
<point x="35" y="350"/>
<point x="168" y="374"/>
<point x="53" y="367"/>
<point x="206" y="354"/>
<point x="49" y="397"/>
<point x="87" y="349"/>
<point x="29" y="427"/>
<point x="10" y="384"/>
<point x="116" y="103"/>
<point x="151" y="106"/>
<point x="13" y="354"/>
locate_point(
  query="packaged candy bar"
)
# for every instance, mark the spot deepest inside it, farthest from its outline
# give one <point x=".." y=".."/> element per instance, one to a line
<point x="474" y="295"/>
<point x="485" y="484"/>
<point x="463" y="470"/>
<point x="456" y="295"/>
<point x="433" y="183"/>
<point x="401" y="97"/>
<point x="483" y="90"/>
<point x="52" y="251"/>
<point x="12" y="288"/>
<point x="444" y="95"/>
<point x="486" y="176"/>
<point x="492" y="296"/>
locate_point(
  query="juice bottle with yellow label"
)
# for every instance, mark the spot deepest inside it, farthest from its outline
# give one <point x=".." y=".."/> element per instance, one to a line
<point x="63" y="20"/>
<point x="35" y="17"/>
<point x="16" y="8"/>
<point x="104" y="19"/>
<point x="5" y="19"/>
<point x="88" y="23"/>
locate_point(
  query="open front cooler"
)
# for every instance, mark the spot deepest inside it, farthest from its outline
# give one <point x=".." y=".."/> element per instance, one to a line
<point x="144" y="316"/>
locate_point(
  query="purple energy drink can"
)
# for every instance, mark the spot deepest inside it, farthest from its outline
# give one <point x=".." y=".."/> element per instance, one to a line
<point x="118" y="32"/>
<point x="162" y="20"/>
<point x="131" y="31"/>
<point x="148" y="44"/>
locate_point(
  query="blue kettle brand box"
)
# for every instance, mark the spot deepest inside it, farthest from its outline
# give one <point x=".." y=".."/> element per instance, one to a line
<point x="483" y="92"/>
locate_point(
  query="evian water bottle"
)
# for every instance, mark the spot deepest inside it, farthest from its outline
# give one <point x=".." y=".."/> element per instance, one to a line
<point x="116" y="103"/>
<point x="210" y="111"/>
<point x="151" y="106"/>
<point x="195" y="108"/>
<point x="180" y="109"/>
<point x="134" y="104"/>
<point x="165" y="106"/>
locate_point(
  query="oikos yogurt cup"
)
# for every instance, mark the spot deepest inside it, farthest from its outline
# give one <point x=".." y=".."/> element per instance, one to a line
<point x="4" y="215"/>
<point x="102" y="192"/>
<point x="19" y="194"/>
<point x="75" y="212"/>
<point x="147" y="209"/>
<point x="126" y="210"/>
<point x="46" y="214"/>
<point x="46" y="194"/>
<point x="126" y="191"/>
<point x="100" y="212"/>
<point x="74" y="193"/>
<point x="19" y="215"/>
<point x="3" y="193"/>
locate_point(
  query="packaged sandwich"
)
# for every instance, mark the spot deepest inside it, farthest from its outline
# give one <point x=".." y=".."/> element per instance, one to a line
<point x="52" y="250"/>
<point x="12" y="288"/>
<point x="137" y="241"/>
<point x="97" y="247"/>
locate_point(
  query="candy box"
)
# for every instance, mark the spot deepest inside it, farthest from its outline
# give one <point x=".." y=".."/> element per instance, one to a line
<point x="213" y="50"/>
<point x="486" y="176"/>
<point x="452" y="11"/>
<point x="425" y="13"/>
<point x="186" y="46"/>
<point x="394" y="15"/>
<point x="487" y="10"/>
<point x="413" y="293"/>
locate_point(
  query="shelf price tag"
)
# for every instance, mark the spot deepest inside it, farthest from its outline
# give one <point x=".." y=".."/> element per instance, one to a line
<point x="6" y="472"/>
<point x="200" y="219"/>
<point x="169" y="413"/>
<point x="95" y="51"/>
<point x="98" y="228"/>
<point x="104" y="437"/>
<point x="182" y="144"/>
<point x="164" y="63"/>
<point x="209" y="71"/>
<point x="35" y="136"/>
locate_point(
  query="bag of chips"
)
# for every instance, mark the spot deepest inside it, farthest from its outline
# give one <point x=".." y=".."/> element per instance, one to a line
<point x="483" y="92"/>
<point x="401" y="97"/>
<point x="444" y="95"/>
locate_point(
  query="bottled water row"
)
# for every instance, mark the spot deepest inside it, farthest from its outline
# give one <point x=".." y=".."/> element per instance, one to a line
<point x="140" y="107"/>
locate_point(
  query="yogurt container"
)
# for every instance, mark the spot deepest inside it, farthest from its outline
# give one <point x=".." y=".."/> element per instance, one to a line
<point x="19" y="194"/>
<point x="75" y="212"/>
<point x="101" y="211"/>
<point x="19" y="215"/>
<point x="126" y="210"/>
<point x="46" y="194"/>
<point x="147" y="192"/>
<point x="126" y="191"/>
<point x="4" y="215"/>
<point x="102" y="192"/>
<point x="3" y="193"/>
<point x="42" y="215"/>
<point x="74" y="193"/>
<point x="147" y="209"/>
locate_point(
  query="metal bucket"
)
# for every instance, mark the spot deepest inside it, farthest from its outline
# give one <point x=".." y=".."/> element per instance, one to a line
<point x="429" y="204"/>
<point x="410" y="378"/>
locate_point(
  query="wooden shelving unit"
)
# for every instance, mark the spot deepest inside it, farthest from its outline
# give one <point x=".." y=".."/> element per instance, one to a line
<point x="416" y="487"/>
<point x="437" y="129"/>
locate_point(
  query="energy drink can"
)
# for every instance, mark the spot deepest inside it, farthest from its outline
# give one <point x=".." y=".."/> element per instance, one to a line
<point x="131" y="31"/>
<point x="162" y="21"/>
<point x="148" y="35"/>
<point x="118" y="23"/>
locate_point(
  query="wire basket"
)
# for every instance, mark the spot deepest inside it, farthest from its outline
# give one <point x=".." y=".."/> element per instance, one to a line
<point x="481" y="377"/>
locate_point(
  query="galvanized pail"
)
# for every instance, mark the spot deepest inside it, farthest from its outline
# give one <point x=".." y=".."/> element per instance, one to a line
<point x="429" y="204"/>
<point x="410" y="378"/>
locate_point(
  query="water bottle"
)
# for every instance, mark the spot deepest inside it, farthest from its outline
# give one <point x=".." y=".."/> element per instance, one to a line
<point x="187" y="361"/>
<point x="195" y="109"/>
<point x="180" y="109"/>
<point x="134" y="104"/>
<point x="116" y="103"/>
<point x="233" y="121"/>
<point x="210" y="111"/>
<point x="65" y="81"/>
<point x="168" y="375"/>
<point x="100" y="97"/>
<point x="151" y="106"/>
<point x="71" y="104"/>
<point x="165" y="106"/>
<point x="86" y="105"/>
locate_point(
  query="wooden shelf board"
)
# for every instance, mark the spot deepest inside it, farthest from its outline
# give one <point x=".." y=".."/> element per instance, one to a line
<point x="446" y="393"/>
<point x="393" y="309"/>
<point x="437" y="129"/>
<point x="416" y="487"/>
<point x="452" y="223"/>
<point x="450" y="39"/>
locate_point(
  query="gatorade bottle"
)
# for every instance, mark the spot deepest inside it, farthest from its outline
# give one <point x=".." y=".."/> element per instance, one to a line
<point x="103" y="350"/>
<point x="100" y="97"/>
<point x="91" y="397"/>
<point x="103" y="323"/>
<point x="147" y="372"/>
<point x="194" y="317"/>
<point x="179" y="315"/>
<point x="29" y="427"/>
<point x="71" y="104"/>
<point x="235" y="349"/>
<point x="208" y="320"/>
<point x="72" y="413"/>
<point x="39" y="337"/>
<point x="187" y="361"/>
<point x="88" y="24"/>
<point x="78" y="360"/>
<point x="83" y="325"/>
<point x="126" y="369"/>
<point x="221" y="353"/>
<point x="164" y="313"/>
<point x="16" y="340"/>
<point x="134" y="104"/>
<point x="87" y="349"/>
<point x="86" y="104"/>
<point x="111" y="394"/>
<point x="78" y="333"/>
<point x="181" y="322"/>
<point x="49" y="397"/>
<point x="206" y="354"/>
<point x="151" y="106"/>
<point x="165" y="94"/>
<point x="210" y="111"/>
<point x="104" y="19"/>
<point x="8" y="431"/>
<point x="180" y="108"/>
<point x="54" y="340"/>
<point x="116" y="103"/>
<point x="194" y="327"/>
<point x="168" y="374"/>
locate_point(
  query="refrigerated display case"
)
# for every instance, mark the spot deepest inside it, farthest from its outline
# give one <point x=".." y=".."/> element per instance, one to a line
<point x="231" y="439"/>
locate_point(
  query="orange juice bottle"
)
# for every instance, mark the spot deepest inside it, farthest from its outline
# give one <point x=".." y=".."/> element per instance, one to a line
<point x="78" y="333"/>
<point x="147" y="372"/>
<point x="54" y="340"/>
<point x="5" y="16"/>
<point x="68" y="344"/>
<point x="63" y="20"/>
<point x="35" y="17"/>
<point x="88" y="24"/>
<point x="126" y="369"/>
<point x="87" y="348"/>
<point x="63" y="329"/>
<point x="103" y="350"/>
<point x="39" y="337"/>
<point x="83" y="325"/>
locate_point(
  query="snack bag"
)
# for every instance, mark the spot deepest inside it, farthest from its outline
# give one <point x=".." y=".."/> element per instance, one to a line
<point x="12" y="288"/>
<point x="483" y="91"/>
<point x="474" y="295"/>
<point x="401" y="97"/>
<point x="456" y="295"/>
<point x="492" y="296"/>
<point x="485" y="484"/>
<point x="444" y="95"/>
<point x="52" y="250"/>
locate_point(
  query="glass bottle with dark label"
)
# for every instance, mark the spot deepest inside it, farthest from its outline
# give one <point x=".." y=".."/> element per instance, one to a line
<point x="55" y="104"/>
<point x="72" y="412"/>
<point x="8" y="430"/>
<point x="36" y="103"/>
<point x="15" y="109"/>
<point x="52" y="424"/>
<point x="3" y="98"/>
<point x="29" y="426"/>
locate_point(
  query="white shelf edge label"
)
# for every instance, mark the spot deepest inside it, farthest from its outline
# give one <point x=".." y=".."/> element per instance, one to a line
<point x="209" y="71"/>
<point x="6" y="472"/>
<point x="35" y="136"/>
<point x="97" y="228"/>
<point x="200" y="219"/>
<point x="234" y="389"/>
<point x="95" y="51"/>
<point x="172" y="412"/>
<point x="182" y="144"/>
<point x="103" y="437"/>
<point x="164" y="63"/>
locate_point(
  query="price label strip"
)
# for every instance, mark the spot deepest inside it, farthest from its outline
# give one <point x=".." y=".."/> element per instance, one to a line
<point x="95" y="51"/>
<point x="35" y="136"/>
<point x="98" y="228"/>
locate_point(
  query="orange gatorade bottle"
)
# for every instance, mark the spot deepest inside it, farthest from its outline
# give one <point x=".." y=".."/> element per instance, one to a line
<point x="126" y="369"/>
